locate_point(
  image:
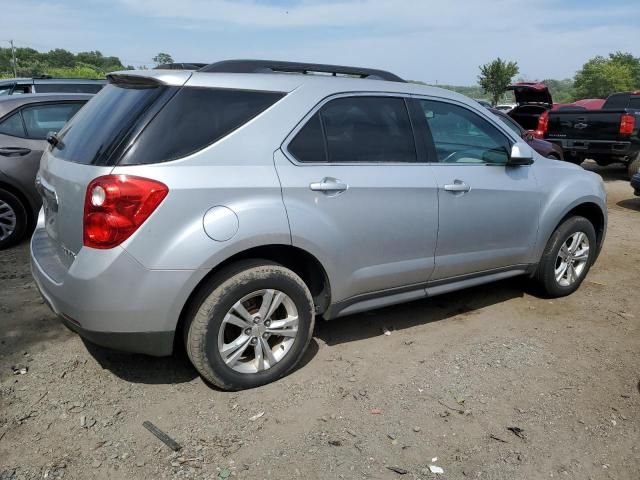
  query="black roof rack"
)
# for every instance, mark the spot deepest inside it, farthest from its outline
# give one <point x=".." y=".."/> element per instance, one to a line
<point x="180" y="66"/>
<point x="271" y="66"/>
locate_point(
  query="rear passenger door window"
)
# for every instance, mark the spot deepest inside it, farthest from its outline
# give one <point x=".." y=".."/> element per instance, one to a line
<point x="362" y="129"/>
<point x="42" y="119"/>
<point x="461" y="136"/>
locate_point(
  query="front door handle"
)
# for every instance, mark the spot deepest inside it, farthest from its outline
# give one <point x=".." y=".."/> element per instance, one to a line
<point x="457" y="186"/>
<point x="14" y="151"/>
<point x="329" y="185"/>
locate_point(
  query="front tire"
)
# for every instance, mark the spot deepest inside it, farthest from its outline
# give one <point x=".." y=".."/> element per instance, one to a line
<point x="567" y="257"/>
<point x="250" y="325"/>
<point x="13" y="219"/>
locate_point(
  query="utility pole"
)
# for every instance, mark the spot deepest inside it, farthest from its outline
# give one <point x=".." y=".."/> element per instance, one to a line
<point x="13" y="55"/>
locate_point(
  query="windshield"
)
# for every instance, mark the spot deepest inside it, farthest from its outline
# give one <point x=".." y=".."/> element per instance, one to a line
<point x="511" y="124"/>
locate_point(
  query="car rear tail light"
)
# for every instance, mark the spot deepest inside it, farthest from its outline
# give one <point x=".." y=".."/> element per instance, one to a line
<point x="543" y="124"/>
<point x="627" y="124"/>
<point x="116" y="205"/>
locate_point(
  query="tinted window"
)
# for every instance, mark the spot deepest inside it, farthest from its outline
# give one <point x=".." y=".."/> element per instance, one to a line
<point x="5" y="89"/>
<point x="42" y="119"/>
<point x="101" y="130"/>
<point x="12" y="125"/>
<point x="68" y="87"/>
<point x="634" y="102"/>
<point x="308" y="145"/>
<point x="195" y="118"/>
<point x="368" y="129"/>
<point x="616" y="101"/>
<point x="462" y="136"/>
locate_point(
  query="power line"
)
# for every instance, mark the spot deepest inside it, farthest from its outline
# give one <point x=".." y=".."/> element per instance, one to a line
<point x="13" y="57"/>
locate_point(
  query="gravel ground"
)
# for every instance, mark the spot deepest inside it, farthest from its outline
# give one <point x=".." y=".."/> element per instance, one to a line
<point x="493" y="381"/>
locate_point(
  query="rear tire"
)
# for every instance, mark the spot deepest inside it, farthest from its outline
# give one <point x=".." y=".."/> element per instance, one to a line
<point x="13" y="219"/>
<point x="232" y="336"/>
<point x="634" y="166"/>
<point x="564" y="264"/>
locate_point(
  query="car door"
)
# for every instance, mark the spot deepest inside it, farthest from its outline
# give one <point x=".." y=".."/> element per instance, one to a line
<point x="488" y="210"/>
<point x="23" y="139"/>
<point x="357" y="198"/>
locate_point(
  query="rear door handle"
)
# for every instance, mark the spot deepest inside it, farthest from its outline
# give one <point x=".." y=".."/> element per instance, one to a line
<point x="457" y="186"/>
<point x="14" y="151"/>
<point x="329" y="185"/>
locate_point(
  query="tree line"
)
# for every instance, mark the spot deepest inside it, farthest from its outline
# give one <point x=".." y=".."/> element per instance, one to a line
<point x="598" y="78"/>
<point x="63" y="63"/>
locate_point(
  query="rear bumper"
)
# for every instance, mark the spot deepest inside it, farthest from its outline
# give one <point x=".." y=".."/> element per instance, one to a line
<point x="158" y="344"/>
<point x="108" y="298"/>
<point x="595" y="148"/>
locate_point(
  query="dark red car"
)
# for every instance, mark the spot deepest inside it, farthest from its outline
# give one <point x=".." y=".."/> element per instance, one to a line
<point x="532" y="100"/>
<point x="544" y="148"/>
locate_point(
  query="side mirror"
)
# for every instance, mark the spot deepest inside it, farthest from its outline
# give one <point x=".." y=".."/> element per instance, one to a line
<point x="521" y="154"/>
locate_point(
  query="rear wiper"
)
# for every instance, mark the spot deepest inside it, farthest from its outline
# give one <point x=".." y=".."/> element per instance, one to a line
<point x="52" y="139"/>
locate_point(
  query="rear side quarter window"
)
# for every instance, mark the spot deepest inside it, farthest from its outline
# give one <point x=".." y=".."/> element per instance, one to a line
<point x="194" y="119"/>
<point x="12" y="125"/>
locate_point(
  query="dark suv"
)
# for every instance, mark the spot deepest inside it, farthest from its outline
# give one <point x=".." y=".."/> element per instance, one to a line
<point x="25" y="121"/>
<point x="17" y="86"/>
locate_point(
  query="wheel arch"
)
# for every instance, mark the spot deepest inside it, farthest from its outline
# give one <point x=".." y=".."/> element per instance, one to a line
<point x="587" y="208"/>
<point x="300" y="261"/>
<point x="31" y="216"/>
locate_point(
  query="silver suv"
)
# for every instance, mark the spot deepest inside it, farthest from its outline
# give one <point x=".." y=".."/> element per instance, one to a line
<point x="231" y="206"/>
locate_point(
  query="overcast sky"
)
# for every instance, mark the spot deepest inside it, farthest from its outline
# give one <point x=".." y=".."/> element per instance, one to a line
<point x="426" y="40"/>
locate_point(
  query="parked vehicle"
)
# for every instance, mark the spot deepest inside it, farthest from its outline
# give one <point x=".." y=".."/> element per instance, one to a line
<point x="608" y="135"/>
<point x="635" y="183"/>
<point x="228" y="209"/>
<point x="180" y="66"/>
<point x="532" y="99"/>
<point x="19" y="86"/>
<point x="25" y="121"/>
<point x="544" y="148"/>
<point x="507" y="107"/>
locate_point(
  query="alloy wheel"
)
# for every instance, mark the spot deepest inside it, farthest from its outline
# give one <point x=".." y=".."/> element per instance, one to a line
<point x="7" y="220"/>
<point x="258" y="331"/>
<point x="572" y="259"/>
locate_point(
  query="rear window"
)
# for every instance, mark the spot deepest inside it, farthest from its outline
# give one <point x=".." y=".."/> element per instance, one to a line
<point x="616" y="101"/>
<point x="195" y="118"/>
<point x="634" y="103"/>
<point x="164" y="123"/>
<point x="100" y="132"/>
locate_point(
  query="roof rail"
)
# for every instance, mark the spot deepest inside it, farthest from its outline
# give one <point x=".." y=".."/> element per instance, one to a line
<point x="180" y="66"/>
<point x="272" y="66"/>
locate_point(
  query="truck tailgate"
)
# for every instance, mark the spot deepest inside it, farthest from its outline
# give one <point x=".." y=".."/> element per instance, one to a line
<point x="578" y="125"/>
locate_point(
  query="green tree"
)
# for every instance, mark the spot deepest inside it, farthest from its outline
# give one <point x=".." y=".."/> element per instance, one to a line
<point x="61" y="58"/>
<point x="600" y="77"/>
<point x="561" y="90"/>
<point x="496" y="76"/>
<point x="624" y="58"/>
<point x="162" y="58"/>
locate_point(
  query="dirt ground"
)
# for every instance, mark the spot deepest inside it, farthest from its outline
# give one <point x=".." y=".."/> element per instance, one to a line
<point x="494" y="382"/>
